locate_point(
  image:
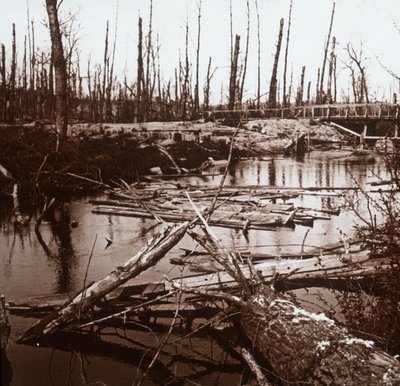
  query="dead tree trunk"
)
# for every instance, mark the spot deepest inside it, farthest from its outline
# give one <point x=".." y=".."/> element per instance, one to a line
<point x="258" y="58"/>
<point x="3" y="83"/>
<point x="147" y="105"/>
<point x="232" y="80"/>
<point x="317" y="99"/>
<point x="245" y="55"/>
<point x="207" y="86"/>
<point x="145" y="258"/>
<point x="330" y="72"/>
<point x="321" y="97"/>
<point x="196" y="87"/>
<point x="139" y="79"/>
<point x="273" y="87"/>
<point x="300" y="91"/>
<point x="13" y="72"/>
<point x="284" y="101"/>
<point x="60" y="72"/>
<point x="308" y="348"/>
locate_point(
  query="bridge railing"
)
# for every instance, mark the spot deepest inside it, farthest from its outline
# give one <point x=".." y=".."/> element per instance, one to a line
<point x="344" y="111"/>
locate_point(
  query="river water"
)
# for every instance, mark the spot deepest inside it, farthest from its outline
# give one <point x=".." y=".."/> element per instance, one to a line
<point x="27" y="269"/>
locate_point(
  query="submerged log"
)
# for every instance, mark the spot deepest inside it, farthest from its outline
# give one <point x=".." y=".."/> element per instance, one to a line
<point x="72" y="311"/>
<point x="308" y="348"/>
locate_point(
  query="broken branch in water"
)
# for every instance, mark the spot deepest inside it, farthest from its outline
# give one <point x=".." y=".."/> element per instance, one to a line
<point x="151" y="253"/>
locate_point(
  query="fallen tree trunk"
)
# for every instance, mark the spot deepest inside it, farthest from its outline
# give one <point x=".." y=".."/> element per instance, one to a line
<point x="301" y="347"/>
<point x="307" y="348"/>
<point x="145" y="258"/>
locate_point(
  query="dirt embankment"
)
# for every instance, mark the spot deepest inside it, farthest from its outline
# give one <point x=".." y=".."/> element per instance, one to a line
<point x="109" y="152"/>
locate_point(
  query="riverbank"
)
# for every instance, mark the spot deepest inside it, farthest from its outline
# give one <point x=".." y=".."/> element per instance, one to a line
<point x="111" y="152"/>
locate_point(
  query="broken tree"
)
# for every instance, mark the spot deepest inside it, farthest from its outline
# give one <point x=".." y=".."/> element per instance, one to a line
<point x="301" y="347"/>
<point x="73" y="310"/>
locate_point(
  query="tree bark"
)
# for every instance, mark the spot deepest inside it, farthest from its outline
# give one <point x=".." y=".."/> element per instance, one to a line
<point x="60" y="72"/>
<point x="273" y="87"/>
<point x="307" y="348"/>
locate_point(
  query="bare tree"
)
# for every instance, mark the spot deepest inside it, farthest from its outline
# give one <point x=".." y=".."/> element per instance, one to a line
<point x="274" y="81"/>
<point x="196" y="87"/>
<point x="246" y="54"/>
<point x="60" y="72"/>
<point x="207" y="85"/>
<point x="330" y="72"/>
<point x="3" y="81"/>
<point x="357" y="58"/>
<point x="321" y="90"/>
<point x="284" y="101"/>
<point x="140" y="73"/>
<point x="233" y="76"/>
<point x="300" y="90"/>
<point x="258" y="57"/>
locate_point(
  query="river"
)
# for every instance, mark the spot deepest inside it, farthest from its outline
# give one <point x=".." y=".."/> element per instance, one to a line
<point x="27" y="270"/>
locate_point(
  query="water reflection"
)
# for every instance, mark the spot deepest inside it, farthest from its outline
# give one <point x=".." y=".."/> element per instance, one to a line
<point x="6" y="373"/>
<point x="27" y="268"/>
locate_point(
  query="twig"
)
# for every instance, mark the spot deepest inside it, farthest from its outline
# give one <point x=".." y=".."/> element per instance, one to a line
<point x="90" y="180"/>
<point x="302" y="244"/>
<point x="140" y="202"/>
<point x="160" y="348"/>
<point x="85" y="278"/>
<point x="126" y="310"/>
<point x="233" y="300"/>
<point x="221" y="184"/>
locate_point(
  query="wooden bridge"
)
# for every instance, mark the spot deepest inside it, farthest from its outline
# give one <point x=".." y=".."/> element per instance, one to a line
<point x="367" y="121"/>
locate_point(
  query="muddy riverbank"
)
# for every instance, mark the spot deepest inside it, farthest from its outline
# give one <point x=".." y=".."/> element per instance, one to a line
<point x="111" y="152"/>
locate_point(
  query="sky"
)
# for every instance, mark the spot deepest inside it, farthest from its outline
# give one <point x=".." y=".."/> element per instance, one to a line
<point x="369" y="23"/>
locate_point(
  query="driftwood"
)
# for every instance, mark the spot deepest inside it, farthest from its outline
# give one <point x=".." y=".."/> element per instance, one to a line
<point x="326" y="267"/>
<point x="145" y="258"/>
<point x="301" y="347"/>
<point x="308" y="348"/>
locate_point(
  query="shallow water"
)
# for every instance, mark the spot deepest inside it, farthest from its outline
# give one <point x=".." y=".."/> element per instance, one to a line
<point x="28" y="269"/>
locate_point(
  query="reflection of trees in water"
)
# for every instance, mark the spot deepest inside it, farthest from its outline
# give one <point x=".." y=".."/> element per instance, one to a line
<point x="198" y="356"/>
<point x="6" y="372"/>
<point x="272" y="173"/>
<point x="60" y="228"/>
<point x="61" y="231"/>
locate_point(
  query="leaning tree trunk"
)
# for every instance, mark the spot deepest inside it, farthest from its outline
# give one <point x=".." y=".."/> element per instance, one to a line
<point x="60" y="72"/>
<point x="307" y="348"/>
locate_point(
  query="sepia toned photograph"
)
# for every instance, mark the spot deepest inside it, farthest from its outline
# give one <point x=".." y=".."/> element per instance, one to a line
<point x="199" y="192"/>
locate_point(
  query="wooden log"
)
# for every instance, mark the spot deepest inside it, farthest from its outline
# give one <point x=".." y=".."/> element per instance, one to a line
<point x="265" y="222"/>
<point x="357" y="264"/>
<point x="308" y="348"/>
<point x="145" y="258"/>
